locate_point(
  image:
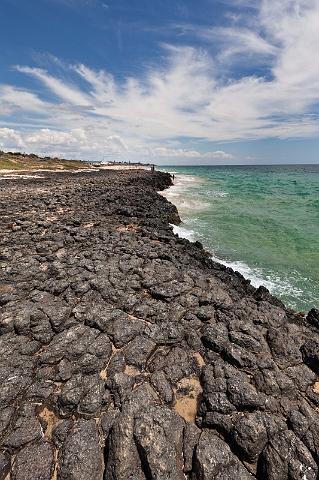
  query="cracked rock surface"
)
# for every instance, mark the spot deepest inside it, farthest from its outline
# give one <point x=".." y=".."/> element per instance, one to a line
<point x="126" y="353"/>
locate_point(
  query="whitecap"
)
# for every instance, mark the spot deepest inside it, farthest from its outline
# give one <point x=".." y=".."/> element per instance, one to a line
<point x="182" y="197"/>
<point x="274" y="283"/>
<point x="184" y="232"/>
<point x="217" y="193"/>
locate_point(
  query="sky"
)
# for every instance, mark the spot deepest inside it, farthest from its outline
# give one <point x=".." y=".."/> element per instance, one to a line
<point x="165" y="81"/>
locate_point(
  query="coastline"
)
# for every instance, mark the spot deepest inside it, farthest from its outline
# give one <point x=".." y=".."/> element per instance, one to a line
<point x="217" y="214"/>
<point x="128" y="353"/>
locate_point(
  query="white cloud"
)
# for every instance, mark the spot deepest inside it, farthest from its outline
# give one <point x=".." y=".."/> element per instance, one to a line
<point x="189" y="96"/>
<point x="46" y="140"/>
<point x="238" y="41"/>
<point x="12" y="99"/>
<point x="183" y="153"/>
<point x="10" y="139"/>
<point x="68" y="93"/>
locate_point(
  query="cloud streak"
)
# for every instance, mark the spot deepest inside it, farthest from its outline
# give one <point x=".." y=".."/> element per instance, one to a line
<point x="188" y="96"/>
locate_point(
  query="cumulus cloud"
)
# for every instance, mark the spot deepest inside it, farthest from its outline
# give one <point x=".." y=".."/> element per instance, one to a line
<point x="10" y="139"/>
<point x="192" y="95"/>
<point x="46" y="141"/>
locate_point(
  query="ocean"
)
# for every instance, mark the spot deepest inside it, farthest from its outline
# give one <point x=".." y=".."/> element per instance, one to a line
<point x="262" y="221"/>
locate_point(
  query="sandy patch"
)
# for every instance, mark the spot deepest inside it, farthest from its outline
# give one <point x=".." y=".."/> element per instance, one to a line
<point x="199" y="359"/>
<point x="131" y="371"/>
<point x="60" y="253"/>
<point x="124" y="167"/>
<point x="114" y="349"/>
<point x="55" y="472"/>
<point x="128" y="228"/>
<point x="51" y="420"/>
<point x="51" y="218"/>
<point x="5" y="288"/>
<point x="10" y="176"/>
<point x="315" y="388"/>
<point x="187" y="397"/>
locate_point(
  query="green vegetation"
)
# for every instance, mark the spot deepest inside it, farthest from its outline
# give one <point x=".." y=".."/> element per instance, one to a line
<point x="21" y="161"/>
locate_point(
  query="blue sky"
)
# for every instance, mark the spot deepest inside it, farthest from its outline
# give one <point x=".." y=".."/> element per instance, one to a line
<point x="174" y="82"/>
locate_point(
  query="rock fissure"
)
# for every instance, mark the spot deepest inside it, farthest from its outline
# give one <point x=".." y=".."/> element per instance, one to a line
<point x="126" y="353"/>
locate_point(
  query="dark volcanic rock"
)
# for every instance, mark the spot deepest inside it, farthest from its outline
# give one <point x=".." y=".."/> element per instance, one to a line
<point x="35" y="461"/>
<point x="127" y="354"/>
<point x="310" y="353"/>
<point x="313" y="317"/>
<point x="81" y="455"/>
<point x="287" y="457"/>
<point x="158" y="433"/>
<point x="214" y="460"/>
<point x="5" y="464"/>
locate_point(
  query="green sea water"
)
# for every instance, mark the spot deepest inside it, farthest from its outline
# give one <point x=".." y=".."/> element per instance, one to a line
<point x="262" y="221"/>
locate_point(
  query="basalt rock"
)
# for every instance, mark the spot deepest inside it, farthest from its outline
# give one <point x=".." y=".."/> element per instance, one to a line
<point x="127" y="353"/>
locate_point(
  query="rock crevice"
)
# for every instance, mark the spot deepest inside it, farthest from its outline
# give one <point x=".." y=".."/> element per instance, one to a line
<point x="127" y="353"/>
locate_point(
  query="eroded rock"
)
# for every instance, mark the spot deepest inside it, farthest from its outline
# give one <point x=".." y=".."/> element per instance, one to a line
<point x="127" y="353"/>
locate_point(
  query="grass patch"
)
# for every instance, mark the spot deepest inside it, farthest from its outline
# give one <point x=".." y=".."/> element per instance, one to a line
<point x="16" y="161"/>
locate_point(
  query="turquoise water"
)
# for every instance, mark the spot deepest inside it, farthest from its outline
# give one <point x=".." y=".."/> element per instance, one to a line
<point x="261" y="220"/>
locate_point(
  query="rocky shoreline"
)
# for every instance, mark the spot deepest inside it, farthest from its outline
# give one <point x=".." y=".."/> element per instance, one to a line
<point x="127" y="353"/>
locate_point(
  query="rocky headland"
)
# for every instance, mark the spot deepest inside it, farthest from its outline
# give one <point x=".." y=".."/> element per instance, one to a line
<point x="128" y="354"/>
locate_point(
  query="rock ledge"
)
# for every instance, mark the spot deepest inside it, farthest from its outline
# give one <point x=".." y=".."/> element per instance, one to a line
<point x="126" y="353"/>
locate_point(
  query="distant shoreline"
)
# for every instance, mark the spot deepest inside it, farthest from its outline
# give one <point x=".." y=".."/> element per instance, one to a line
<point x="22" y="163"/>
